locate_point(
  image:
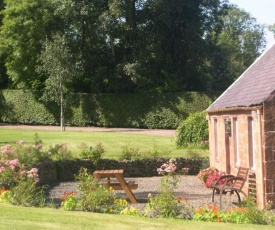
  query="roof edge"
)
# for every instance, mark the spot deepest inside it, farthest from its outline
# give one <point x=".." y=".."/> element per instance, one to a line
<point x="235" y="108"/>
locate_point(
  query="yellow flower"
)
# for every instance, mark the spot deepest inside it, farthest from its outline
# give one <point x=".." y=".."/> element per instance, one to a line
<point x="111" y="210"/>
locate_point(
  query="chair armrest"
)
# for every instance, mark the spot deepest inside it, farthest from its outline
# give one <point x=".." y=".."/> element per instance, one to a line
<point x="234" y="179"/>
<point x="222" y="178"/>
<point x="231" y="181"/>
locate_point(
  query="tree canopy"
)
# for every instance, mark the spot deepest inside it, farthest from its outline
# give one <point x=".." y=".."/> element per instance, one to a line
<point x="130" y="45"/>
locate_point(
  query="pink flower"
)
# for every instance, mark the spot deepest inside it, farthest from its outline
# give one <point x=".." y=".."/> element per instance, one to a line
<point x="2" y="169"/>
<point x="14" y="162"/>
<point x="34" y="170"/>
<point x="6" y="149"/>
<point x="38" y="146"/>
<point x="168" y="167"/>
<point x="185" y="170"/>
<point x="12" y="167"/>
<point x="33" y="174"/>
<point x="21" y="142"/>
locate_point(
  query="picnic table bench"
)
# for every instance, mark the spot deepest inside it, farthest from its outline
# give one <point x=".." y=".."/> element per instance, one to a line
<point x="120" y="184"/>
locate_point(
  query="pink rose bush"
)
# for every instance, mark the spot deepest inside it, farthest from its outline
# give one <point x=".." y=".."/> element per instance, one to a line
<point x="171" y="167"/>
<point x="15" y="160"/>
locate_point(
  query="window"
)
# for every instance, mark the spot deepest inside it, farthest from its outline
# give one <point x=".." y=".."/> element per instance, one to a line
<point x="251" y="147"/>
<point x="216" y="139"/>
<point x="236" y="142"/>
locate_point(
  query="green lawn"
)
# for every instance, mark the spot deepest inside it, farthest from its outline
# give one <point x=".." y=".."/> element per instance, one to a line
<point x="16" y="217"/>
<point x="113" y="141"/>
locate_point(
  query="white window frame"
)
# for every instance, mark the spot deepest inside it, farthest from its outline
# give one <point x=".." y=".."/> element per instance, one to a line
<point x="216" y="139"/>
<point x="251" y="143"/>
<point x="236" y="141"/>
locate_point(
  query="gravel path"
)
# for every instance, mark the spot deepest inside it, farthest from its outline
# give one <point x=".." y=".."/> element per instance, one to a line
<point x="190" y="189"/>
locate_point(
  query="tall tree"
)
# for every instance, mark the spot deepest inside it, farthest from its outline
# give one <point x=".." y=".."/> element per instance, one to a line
<point x="237" y="45"/>
<point x="61" y="66"/>
<point x="3" y="71"/>
<point x="24" y="28"/>
<point x="173" y="44"/>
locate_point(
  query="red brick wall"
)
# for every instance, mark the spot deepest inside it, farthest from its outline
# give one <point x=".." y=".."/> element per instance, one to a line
<point x="269" y="150"/>
<point x="228" y="163"/>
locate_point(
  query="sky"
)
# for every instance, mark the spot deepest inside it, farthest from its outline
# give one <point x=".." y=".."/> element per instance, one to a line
<point x="263" y="11"/>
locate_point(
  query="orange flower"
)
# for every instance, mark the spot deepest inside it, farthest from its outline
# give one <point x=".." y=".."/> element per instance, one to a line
<point x="179" y="199"/>
<point x="215" y="209"/>
<point x="200" y="211"/>
<point x="3" y="190"/>
<point x="66" y="195"/>
<point x="218" y="220"/>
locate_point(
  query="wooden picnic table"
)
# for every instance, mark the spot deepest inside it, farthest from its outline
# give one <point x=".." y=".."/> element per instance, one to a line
<point x="121" y="184"/>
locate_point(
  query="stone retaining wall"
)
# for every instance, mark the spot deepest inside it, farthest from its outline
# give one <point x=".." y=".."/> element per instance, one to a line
<point x="60" y="171"/>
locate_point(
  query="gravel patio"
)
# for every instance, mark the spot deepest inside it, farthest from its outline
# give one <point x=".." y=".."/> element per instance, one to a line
<point x="190" y="189"/>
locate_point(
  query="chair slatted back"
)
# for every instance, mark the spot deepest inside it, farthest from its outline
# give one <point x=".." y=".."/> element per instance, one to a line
<point x="242" y="172"/>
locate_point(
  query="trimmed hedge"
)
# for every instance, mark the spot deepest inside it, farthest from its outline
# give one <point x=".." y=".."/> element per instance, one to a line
<point x="164" y="111"/>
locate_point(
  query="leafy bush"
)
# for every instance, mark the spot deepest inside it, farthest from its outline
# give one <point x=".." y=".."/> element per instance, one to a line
<point x="27" y="193"/>
<point x="27" y="154"/>
<point x="166" y="204"/>
<point x="96" y="197"/>
<point x="92" y="153"/>
<point x="131" y="153"/>
<point x="69" y="201"/>
<point x="164" y="118"/>
<point x="193" y="131"/>
<point x="60" y="152"/>
<point x="23" y="189"/>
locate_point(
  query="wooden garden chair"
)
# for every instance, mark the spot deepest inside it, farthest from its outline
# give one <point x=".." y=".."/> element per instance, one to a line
<point x="232" y="184"/>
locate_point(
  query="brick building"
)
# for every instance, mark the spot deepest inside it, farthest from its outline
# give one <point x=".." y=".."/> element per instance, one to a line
<point x="242" y="128"/>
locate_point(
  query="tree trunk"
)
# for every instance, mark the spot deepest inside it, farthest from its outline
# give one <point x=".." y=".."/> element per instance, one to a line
<point x="62" y="123"/>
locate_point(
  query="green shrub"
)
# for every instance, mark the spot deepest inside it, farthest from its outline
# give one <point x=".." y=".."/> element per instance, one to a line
<point x="165" y="204"/>
<point x="27" y="193"/>
<point x="24" y="190"/>
<point x="27" y="154"/>
<point x="163" y="117"/>
<point x="193" y="131"/>
<point x="247" y="213"/>
<point x="60" y="152"/>
<point x="92" y="153"/>
<point x="148" y="110"/>
<point x="131" y="153"/>
<point x="96" y="197"/>
<point x="69" y="201"/>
